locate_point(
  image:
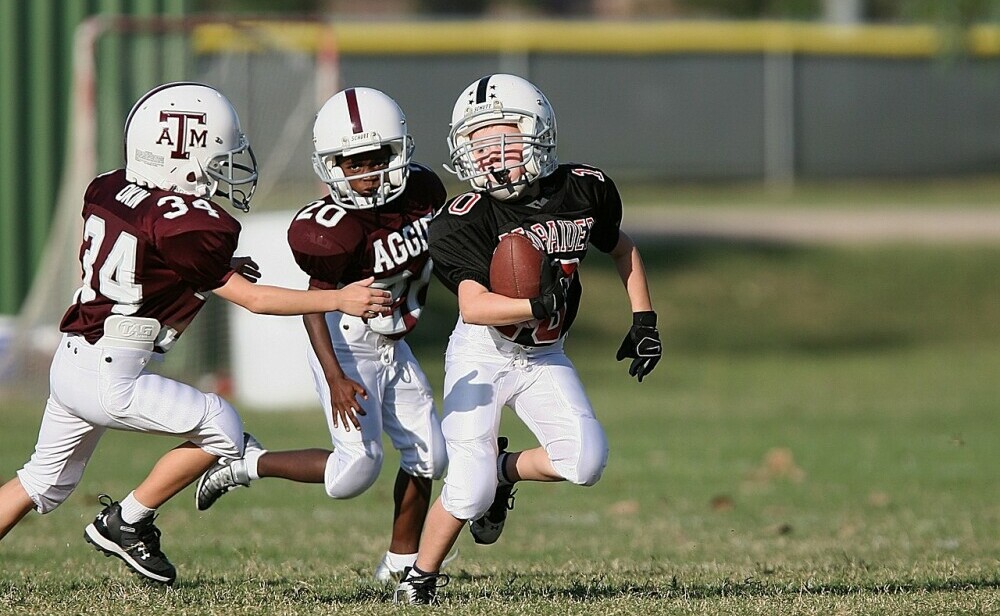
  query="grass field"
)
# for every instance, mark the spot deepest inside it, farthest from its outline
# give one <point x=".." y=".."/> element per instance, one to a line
<point x="903" y="193"/>
<point x="821" y="438"/>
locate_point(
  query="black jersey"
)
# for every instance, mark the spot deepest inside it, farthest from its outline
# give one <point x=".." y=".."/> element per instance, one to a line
<point x="575" y="206"/>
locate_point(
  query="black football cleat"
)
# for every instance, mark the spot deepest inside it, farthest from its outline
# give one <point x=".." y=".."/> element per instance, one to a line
<point x="137" y="545"/>
<point x="416" y="589"/>
<point x="486" y="529"/>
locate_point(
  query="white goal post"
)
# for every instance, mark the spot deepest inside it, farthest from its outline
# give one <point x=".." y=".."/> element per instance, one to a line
<point x="276" y="81"/>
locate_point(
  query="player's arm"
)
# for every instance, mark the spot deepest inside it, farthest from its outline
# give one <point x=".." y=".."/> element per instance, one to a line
<point x="358" y="298"/>
<point x="642" y="342"/>
<point x="628" y="262"/>
<point x="201" y="252"/>
<point x="343" y="391"/>
<point x="478" y="306"/>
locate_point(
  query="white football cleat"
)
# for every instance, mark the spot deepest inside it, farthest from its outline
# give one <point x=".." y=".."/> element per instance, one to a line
<point x="386" y="571"/>
<point x="225" y="475"/>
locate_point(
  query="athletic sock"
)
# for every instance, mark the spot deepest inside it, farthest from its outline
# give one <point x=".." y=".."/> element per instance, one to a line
<point x="398" y="562"/>
<point x="251" y="458"/>
<point x="502" y="470"/>
<point x="133" y="511"/>
<point x="416" y="572"/>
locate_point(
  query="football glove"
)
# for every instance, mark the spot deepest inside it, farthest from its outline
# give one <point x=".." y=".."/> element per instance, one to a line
<point x="552" y="288"/>
<point x="246" y="267"/>
<point x="642" y="344"/>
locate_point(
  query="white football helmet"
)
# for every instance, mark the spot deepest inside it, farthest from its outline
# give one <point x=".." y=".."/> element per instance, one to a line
<point x="186" y="137"/>
<point x="503" y="99"/>
<point x="354" y="121"/>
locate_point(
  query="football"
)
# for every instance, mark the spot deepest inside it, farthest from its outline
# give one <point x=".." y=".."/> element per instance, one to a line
<point x="516" y="267"/>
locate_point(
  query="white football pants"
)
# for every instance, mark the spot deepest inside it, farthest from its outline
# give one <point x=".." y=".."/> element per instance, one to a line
<point x="484" y="372"/>
<point x="400" y="402"/>
<point x="92" y="389"/>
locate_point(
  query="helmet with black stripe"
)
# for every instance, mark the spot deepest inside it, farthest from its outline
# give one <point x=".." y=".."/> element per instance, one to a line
<point x="354" y="123"/>
<point x="503" y="135"/>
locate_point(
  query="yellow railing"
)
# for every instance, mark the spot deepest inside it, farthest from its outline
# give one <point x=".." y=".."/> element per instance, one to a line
<point x="591" y="37"/>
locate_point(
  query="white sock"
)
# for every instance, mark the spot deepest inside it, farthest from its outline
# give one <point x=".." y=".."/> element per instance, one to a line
<point x="251" y="458"/>
<point x="398" y="562"/>
<point x="133" y="511"/>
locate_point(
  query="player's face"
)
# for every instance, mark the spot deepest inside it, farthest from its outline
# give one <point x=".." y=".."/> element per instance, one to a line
<point x="367" y="168"/>
<point x="497" y="152"/>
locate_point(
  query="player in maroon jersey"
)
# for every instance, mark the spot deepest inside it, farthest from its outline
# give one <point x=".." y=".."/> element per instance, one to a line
<point x="154" y="247"/>
<point x="373" y="223"/>
<point x="507" y="351"/>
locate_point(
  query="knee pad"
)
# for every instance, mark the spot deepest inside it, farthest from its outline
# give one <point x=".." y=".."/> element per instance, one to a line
<point x="221" y="434"/>
<point x="582" y="461"/>
<point x="428" y="461"/>
<point x="439" y="462"/>
<point x="468" y="504"/>
<point x="471" y="483"/>
<point x="352" y="468"/>
<point x="47" y="500"/>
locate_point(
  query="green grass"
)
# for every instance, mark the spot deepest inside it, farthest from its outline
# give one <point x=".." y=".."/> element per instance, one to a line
<point x="821" y="438"/>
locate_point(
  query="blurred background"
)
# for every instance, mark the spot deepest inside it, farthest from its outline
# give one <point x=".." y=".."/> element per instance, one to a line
<point x="752" y="120"/>
<point x="814" y="188"/>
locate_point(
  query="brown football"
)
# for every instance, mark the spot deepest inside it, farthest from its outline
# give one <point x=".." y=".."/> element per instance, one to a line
<point x="516" y="267"/>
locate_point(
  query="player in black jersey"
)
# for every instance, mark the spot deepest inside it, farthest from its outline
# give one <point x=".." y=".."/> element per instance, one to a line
<point x="507" y="351"/>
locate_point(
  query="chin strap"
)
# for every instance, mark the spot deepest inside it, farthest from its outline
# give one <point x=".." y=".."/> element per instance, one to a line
<point x="501" y="175"/>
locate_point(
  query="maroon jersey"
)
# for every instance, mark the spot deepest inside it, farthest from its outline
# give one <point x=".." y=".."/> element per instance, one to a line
<point x="148" y="253"/>
<point x="337" y="246"/>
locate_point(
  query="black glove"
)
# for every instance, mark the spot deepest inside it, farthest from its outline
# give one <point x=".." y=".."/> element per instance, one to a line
<point x="642" y="343"/>
<point x="246" y="267"/>
<point x="552" y="288"/>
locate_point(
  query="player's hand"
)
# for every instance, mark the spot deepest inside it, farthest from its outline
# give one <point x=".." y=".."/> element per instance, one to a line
<point x="361" y="300"/>
<point x="343" y="399"/>
<point x="552" y="287"/>
<point x="642" y="344"/>
<point x="246" y="267"/>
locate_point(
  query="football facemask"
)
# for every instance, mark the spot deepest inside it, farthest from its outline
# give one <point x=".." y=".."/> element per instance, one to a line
<point x="503" y="100"/>
<point x="355" y="121"/>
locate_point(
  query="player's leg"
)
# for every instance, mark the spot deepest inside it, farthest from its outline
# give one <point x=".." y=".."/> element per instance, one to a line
<point x="472" y="405"/>
<point x="411" y="499"/>
<point x="550" y="400"/>
<point x="65" y="441"/>
<point x="486" y="528"/>
<point x="412" y="424"/>
<point x="530" y="465"/>
<point x="473" y="399"/>
<point x="14" y="505"/>
<point x="172" y="473"/>
<point x="154" y="404"/>
<point x="441" y="530"/>
<point x="357" y="455"/>
<point x="556" y="410"/>
<point x="64" y="446"/>
<point x="420" y="582"/>
<point x="347" y="471"/>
